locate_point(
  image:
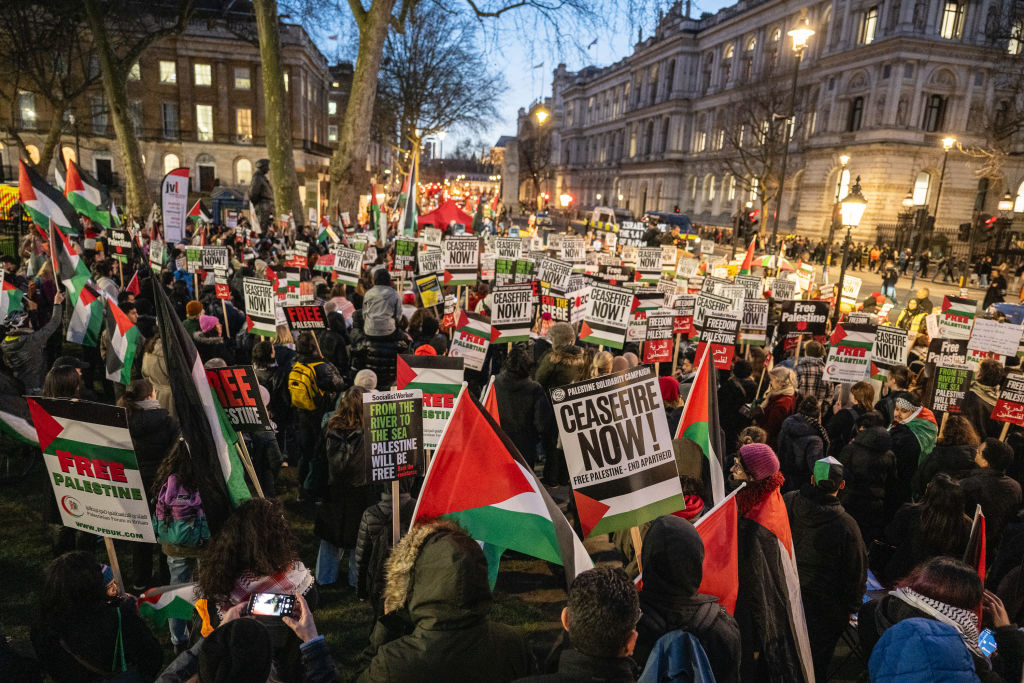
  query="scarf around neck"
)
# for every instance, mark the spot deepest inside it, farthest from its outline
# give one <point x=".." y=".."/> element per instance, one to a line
<point x="963" y="620"/>
<point x="985" y="392"/>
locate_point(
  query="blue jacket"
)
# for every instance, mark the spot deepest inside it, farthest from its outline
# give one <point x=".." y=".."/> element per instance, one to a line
<point x="921" y="651"/>
<point x="677" y="656"/>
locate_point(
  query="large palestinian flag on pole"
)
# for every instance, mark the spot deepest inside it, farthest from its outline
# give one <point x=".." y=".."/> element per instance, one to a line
<point x="407" y="222"/>
<point x="124" y="344"/>
<point x="44" y="203"/>
<point x="210" y="437"/>
<point x="87" y="195"/>
<point x="719" y="529"/>
<point x="699" y="422"/>
<point x="86" y="300"/>
<point x="478" y="479"/>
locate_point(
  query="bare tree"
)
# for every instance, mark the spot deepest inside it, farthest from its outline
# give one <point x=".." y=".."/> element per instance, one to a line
<point x="535" y="152"/>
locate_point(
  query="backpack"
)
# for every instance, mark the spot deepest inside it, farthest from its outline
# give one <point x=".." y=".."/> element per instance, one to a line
<point x="305" y="393"/>
<point x="179" y="518"/>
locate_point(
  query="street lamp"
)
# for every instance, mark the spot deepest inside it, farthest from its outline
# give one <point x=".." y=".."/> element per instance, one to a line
<point x="541" y="115"/>
<point x="1006" y="203"/>
<point x="800" y="34"/>
<point x="851" y="208"/>
<point x="844" y="159"/>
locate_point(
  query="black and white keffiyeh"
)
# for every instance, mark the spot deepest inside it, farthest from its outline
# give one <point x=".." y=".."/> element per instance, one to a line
<point x="963" y="620"/>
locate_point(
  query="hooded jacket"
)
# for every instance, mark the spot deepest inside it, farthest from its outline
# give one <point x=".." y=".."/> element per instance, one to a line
<point x="436" y="626"/>
<point x="673" y="557"/>
<point x="25" y="354"/>
<point x="800" y="446"/>
<point x="526" y="414"/>
<point x="870" y="496"/>
<point x="953" y="459"/>
<point x="334" y="342"/>
<point x="977" y="408"/>
<point x="561" y="366"/>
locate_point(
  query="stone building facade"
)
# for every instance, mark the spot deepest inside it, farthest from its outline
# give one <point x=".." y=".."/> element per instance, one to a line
<point x="881" y="81"/>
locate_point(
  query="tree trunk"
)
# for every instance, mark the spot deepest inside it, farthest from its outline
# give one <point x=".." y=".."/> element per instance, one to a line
<point x="348" y="166"/>
<point x="115" y="88"/>
<point x="51" y="142"/>
<point x="278" y="114"/>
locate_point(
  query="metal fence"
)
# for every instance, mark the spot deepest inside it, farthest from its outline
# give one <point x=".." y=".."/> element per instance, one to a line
<point x="11" y="233"/>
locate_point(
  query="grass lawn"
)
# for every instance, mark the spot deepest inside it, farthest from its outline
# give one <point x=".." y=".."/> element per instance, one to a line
<point x="527" y="595"/>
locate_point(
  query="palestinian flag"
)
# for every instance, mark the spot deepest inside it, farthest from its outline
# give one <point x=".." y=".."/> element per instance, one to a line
<point x="87" y="195"/>
<point x="16" y="421"/>
<point x="771" y="514"/>
<point x="926" y="430"/>
<point x="133" y="285"/>
<point x="85" y="299"/>
<point x="699" y="422"/>
<point x="124" y="344"/>
<point x="198" y="213"/>
<point x="168" y="602"/>
<point x="718" y="529"/>
<point x="407" y="222"/>
<point x="11" y="298"/>
<point x="326" y="232"/>
<point x="375" y="214"/>
<point x="974" y="555"/>
<point x="211" y="439"/>
<point x="851" y="344"/>
<point x="60" y="172"/>
<point x="957" y="317"/>
<point x="748" y="260"/>
<point x="478" y="479"/>
<point x="44" y="203"/>
<point x="325" y="264"/>
<point x="490" y="401"/>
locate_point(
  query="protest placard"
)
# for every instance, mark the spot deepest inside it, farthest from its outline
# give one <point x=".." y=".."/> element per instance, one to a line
<point x="524" y="270"/>
<point x="683" y="306"/>
<point x="856" y="318"/>
<point x="648" y="264"/>
<point x="947" y="352"/>
<point x="707" y="248"/>
<point x="754" y="327"/>
<point x="712" y="284"/>
<point x="618" y="450"/>
<point x="669" y="255"/>
<point x="430" y="261"/>
<point x="216" y="257"/>
<point x="393" y="442"/>
<point x="686" y="268"/>
<point x="404" y="260"/>
<point x="607" y="317"/>
<point x="708" y="303"/>
<point x="348" y="264"/>
<point x="1010" y="405"/>
<point x="555" y="240"/>
<point x="849" y="353"/>
<point x="461" y="260"/>
<point x="508" y="248"/>
<point x="632" y="233"/>
<point x="658" y="342"/>
<point x="734" y="293"/>
<point x="429" y="289"/>
<point x="221" y="288"/>
<point x="804" y="317"/>
<point x="193" y="259"/>
<point x="432" y="236"/>
<point x="440" y="379"/>
<point x="647" y="299"/>
<point x="992" y="336"/>
<point x="305" y="317"/>
<point x="238" y="390"/>
<point x="783" y="288"/>
<point x="720" y="329"/>
<point x="260" y="301"/>
<point x="91" y="464"/>
<point x="957" y="317"/>
<point x="554" y="274"/>
<point x="119" y="242"/>
<point x="950" y="386"/>
<point x="753" y="286"/>
<point x="851" y="290"/>
<point x="157" y="253"/>
<point x="574" y="250"/>
<point x="512" y="312"/>
<point x="667" y="288"/>
<point x="890" y="348"/>
<point x="578" y="304"/>
<point x="473" y="334"/>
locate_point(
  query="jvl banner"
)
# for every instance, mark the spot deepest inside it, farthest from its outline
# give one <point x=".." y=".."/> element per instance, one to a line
<point x="607" y="317"/>
<point x="618" y="449"/>
<point x="173" y="198"/>
<point x="91" y="464"/>
<point x="1010" y="406"/>
<point x="512" y="313"/>
<point x="394" y="431"/>
<point x="849" y="354"/>
<point x="440" y="379"/>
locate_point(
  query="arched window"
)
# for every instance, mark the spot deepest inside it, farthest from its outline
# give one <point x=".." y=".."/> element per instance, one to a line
<point x="1018" y="205"/>
<point x="710" y="187"/>
<point x="649" y="139"/>
<point x="243" y="171"/>
<point x="69" y="154"/>
<point x="171" y="162"/>
<point x="856" y="114"/>
<point x="670" y="77"/>
<point x="206" y="173"/>
<point x="921" y="187"/>
<point x="727" y="55"/>
<point x="33" y="153"/>
<point x="732" y="188"/>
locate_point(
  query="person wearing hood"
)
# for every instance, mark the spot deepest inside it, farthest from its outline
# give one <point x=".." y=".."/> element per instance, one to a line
<point x="382" y="308"/>
<point x="953" y="454"/>
<point x="802" y="442"/>
<point x="436" y="625"/>
<point x="334" y="340"/>
<point x="24" y="351"/>
<point x="830" y="558"/>
<point x="869" y="467"/>
<point x="913" y="434"/>
<point x="979" y="402"/>
<point x="524" y="407"/>
<point x="673" y="557"/>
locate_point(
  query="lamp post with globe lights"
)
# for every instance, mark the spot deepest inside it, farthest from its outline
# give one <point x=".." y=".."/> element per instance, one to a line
<point x="851" y="209"/>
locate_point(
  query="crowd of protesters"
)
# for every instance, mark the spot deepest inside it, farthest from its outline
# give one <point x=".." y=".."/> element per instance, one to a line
<point x="870" y="487"/>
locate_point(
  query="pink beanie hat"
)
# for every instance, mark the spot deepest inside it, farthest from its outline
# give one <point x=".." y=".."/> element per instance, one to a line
<point x="759" y="460"/>
<point x="207" y="322"/>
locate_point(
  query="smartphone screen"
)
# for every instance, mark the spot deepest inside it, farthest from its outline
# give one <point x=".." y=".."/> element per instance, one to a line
<point x="987" y="642"/>
<point x="272" y="604"/>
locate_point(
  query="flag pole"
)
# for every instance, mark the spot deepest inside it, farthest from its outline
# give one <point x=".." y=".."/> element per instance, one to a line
<point x="396" y="519"/>
<point x="247" y="464"/>
<point x="634" y="533"/>
<point x="114" y="566"/>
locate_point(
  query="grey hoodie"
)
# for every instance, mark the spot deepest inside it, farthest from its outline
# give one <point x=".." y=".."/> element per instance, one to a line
<point x="25" y="354"/>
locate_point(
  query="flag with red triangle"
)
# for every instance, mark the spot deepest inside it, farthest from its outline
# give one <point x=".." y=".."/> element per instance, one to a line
<point x="699" y="422"/>
<point x="124" y="344"/>
<point x="974" y="555"/>
<point x="490" y="401"/>
<point x="718" y="529"/>
<point x="478" y="479"/>
<point x="133" y="285"/>
<point x="44" y="203"/>
<point x="198" y="212"/>
<point x="86" y="302"/>
<point x="748" y="260"/>
<point x="87" y="195"/>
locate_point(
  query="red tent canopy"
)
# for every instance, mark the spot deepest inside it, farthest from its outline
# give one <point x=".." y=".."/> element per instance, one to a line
<point x="444" y="215"/>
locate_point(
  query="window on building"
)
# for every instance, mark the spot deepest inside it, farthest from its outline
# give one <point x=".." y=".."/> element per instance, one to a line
<point x="203" y="74"/>
<point x="752" y="197"/>
<point x="664" y="134"/>
<point x="719" y="140"/>
<point x="204" y="122"/>
<point x="332" y="107"/>
<point x="934" y="113"/>
<point x="711" y="188"/>
<point x="171" y="162"/>
<point x="135" y="114"/>
<point x="632" y="141"/>
<point x="169" y="111"/>
<point x="243" y="81"/>
<point x="135" y="72"/>
<point x="1018" y="204"/>
<point x="286" y="82"/>
<point x="243" y="172"/>
<point x="701" y="142"/>
<point x="748" y="59"/>
<point x="104" y="168"/>
<point x="727" y="56"/>
<point x="206" y="177"/>
<point x="168" y="71"/>
<point x="98" y="109"/>
<point x="693" y="188"/>
<point x="1013" y="47"/>
<point x="670" y="78"/>
<point x="855" y="115"/>
<point x="921" y="187"/>
<point x="732" y="188"/>
<point x="868" y="22"/>
<point x="243" y="124"/>
<point x="652" y="96"/>
<point x="741" y="136"/>
<point x="27" y="110"/>
<point x="886" y="71"/>
<point x="649" y="139"/>
<point x="952" y="27"/>
<point x="332" y="133"/>
<point x="908" y="71"/>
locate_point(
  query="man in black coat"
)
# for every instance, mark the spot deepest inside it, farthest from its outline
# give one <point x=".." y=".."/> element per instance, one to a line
<point x="524" y="408"/>
<point x="734" y="393"/>
<point x="830" y="558"/>
<point x="998" y="495"/>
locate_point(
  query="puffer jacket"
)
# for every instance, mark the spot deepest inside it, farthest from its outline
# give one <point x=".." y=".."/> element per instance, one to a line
<point x="436" y="625"/>
<point x="380" y="354"/>
<point x="921" y="650"/>
<point x="25" y="354"/>
<point x="561" y="366"/>
<point x="800" y="446"/>
<point x="952" y="459"/>
<point x="871" y="494"/>
<point x="526" y="414"/>
<point x="374" y="539"/>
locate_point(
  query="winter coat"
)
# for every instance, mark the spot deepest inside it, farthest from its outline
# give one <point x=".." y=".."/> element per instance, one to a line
<point x="380" y="354"/>
<point x="211" y="345"/>
<point x="328" y="380"/>
<point x="774" y="414"/>
<point x="275" y="380"/>
<point x="673" y="556"/>
<point x="317" y="665"/>
<point x="436" y="626"/>
<point x="153" y="433"/>
<point x="733" y="394"/>
<point x="154" y="368"/>
<point x="382" y="309"/>
<point x="526" y="415"/>
<point x="337" y="519"/>
<point x="561" y="366"/>
<point x="870" y="495"/>
<point x="999" y="497"/>
<point x="373" y="545"/>
<point x="576" y="667"/>
<point x="25" y="354"/>
<point x="922" y="650"/>
<point x="952" y="459"/>
<point x="978" y="412"/>
<point x="907" y="450"/>
<point x="800" y="446"/>
<point x="911" y="549"/>
<point x="334" y="343"/>
<point x="842" y="427"/>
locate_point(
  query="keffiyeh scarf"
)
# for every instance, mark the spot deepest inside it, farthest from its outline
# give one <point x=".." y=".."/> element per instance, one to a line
<point x="963" y="620"/>
<point x="296" y="579"/>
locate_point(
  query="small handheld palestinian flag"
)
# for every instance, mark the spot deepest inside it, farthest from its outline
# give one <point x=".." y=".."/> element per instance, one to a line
<point x="198" y="213"/>
<point x="124" y="344"/>
<point x="16" y="421"/>
<point x="748" y="260"/>
<point x="11" y="298"/>
<point x="168" y="602"/>
<point x="85" y="299"/>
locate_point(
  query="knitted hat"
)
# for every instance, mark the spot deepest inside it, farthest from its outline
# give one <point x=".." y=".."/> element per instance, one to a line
<point x="759" y="460"/>
<point x="207" y="322"/>
<point x="828" y="474"/>
<point x="669" y="389"/>
<point x="561" y="335"/>
<point x="238" y="651"/>
<point x="425" y="350"/>
<point x="193" y="308"/>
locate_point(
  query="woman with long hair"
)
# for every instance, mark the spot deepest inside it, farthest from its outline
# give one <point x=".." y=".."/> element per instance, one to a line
<point x="62" y="381"/>
<point x="936" y="526"/>
<point x="778" y="404"/>
<point x="601" y="364"/>
<point x="154" y="368"/>
<point x="953" y="453"/>
<point x="846" y="410"/>
<point x="349" y="492"/>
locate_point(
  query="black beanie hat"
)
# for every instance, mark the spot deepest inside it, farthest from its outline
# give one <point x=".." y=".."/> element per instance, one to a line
<point x="238" y="651"/>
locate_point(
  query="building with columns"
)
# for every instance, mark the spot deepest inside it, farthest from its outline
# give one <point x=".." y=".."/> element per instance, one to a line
<point x="677" y="124"/>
